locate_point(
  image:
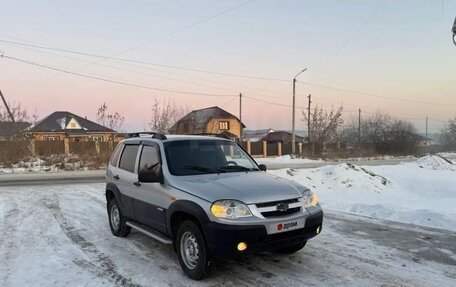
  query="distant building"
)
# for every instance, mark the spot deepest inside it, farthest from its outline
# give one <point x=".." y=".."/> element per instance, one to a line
<point x="66" y="125"/>
<point x="10" y="130"/>
<point x="283" y="137"/>
<point x="213" y="120"/>
<point x="256" y="135"/>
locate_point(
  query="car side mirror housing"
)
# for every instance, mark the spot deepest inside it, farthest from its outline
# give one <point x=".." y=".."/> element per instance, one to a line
<point x="154" y="174"/>
<point x="262" y="167"/>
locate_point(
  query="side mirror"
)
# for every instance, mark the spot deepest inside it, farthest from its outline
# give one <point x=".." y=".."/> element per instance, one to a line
<point x="154" y="174"/>
<point x="262" y="167"/>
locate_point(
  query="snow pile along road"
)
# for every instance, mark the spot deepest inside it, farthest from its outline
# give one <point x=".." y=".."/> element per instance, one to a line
<point x="422" y="192"/>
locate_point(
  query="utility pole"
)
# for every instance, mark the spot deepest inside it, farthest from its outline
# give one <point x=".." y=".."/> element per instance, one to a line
<point x="6" y="106"/>
<point x="359" y="129"/>
<point x="308" y="120"/>
<point x="427" y="120"/>
<point x="293" y="132"/>
<point x="240" y="116"/>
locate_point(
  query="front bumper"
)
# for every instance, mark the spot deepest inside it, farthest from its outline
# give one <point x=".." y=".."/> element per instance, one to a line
<point x="223" y="239"/>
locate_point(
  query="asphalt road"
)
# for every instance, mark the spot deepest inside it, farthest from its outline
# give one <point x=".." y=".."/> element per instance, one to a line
<point x="78" y="177"/>
<point x="58" y="235"/>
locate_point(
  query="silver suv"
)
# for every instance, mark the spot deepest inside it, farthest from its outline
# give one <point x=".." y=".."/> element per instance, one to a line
<point x="207" y="197"/>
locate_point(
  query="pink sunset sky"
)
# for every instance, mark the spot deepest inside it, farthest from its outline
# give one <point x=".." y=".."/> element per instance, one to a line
<point x="392" y="56"/>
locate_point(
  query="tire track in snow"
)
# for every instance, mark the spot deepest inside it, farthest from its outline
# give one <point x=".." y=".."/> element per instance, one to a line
<point x="106" y="267"/>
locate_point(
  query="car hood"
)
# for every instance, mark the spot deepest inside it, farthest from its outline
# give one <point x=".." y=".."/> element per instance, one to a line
<point x="248" y="187"/>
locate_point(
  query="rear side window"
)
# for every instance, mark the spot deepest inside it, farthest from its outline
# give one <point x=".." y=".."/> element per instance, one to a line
<point x="149" y="158"/>
<point x="115" y="155"/>
<point x="128" y="158"/>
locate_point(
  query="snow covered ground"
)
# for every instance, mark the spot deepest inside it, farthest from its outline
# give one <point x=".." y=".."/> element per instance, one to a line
<point x="422" y="192"/>
<point x="58" y="235"/>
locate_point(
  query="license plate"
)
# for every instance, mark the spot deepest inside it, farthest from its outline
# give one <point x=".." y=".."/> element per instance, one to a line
<point x="286" y="226"/>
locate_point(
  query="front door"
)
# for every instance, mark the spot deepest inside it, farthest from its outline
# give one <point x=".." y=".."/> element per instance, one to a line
<point x="150" y="198"/>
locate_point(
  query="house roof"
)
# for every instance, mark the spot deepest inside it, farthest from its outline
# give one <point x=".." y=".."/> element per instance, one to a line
<point x="281" y="136"/>
<point x="58" y="121"/>
<point x="9" y="129"/>
<point x="201" y="117"/>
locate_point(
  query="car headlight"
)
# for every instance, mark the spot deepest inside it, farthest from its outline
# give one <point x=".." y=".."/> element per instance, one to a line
<point x="231" y="209"/>
<point x="310" y="199"/>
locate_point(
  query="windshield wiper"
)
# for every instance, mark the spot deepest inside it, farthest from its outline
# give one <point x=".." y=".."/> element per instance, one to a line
<point x="199" y="168"/>
<point x="235" y="168"/>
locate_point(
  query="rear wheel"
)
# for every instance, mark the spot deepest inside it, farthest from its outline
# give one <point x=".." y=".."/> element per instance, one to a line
<point x="117" y="222"/>
<point x="192" y="251"/>
<point x="292" y="249"/>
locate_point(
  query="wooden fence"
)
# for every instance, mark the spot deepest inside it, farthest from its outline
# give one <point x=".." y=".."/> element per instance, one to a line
<point x="14" y="150"/>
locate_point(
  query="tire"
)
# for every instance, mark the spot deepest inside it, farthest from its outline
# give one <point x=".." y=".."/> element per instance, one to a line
<point x="117" y="222"/>
<point x="192" y="251"/>
<point x="292" y="249"/>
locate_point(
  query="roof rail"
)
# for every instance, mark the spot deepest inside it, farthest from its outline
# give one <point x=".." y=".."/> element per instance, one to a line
<point x="154" y="135"/>
<point x="223" y="136"/>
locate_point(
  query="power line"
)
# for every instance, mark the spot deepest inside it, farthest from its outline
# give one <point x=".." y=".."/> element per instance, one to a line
<point x="178" y="30"/>
<point x="230" y="74"/>
<point x="111" y="81"/>
<point x="374" y="95"/>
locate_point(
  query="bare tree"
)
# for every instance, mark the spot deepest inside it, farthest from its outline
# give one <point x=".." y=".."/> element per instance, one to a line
<point x="381" y="133"/>
<point x="114" y="121"/>
<point x="165" y="114"/>
<point x="324" y="125"/>
<point x="20" y="114"/>
<point x="448" y="134"/>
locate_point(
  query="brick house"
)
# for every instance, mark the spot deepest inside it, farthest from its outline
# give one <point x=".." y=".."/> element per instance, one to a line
<point x="65" y="125"/>
<point x="213" y="120"/>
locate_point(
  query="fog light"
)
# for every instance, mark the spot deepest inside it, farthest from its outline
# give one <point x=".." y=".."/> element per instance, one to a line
<point x="318" y="229"/>
<point x="242" y="246"/>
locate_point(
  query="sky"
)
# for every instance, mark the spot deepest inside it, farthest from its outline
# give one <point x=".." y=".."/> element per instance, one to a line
<point x="391" y="56"/>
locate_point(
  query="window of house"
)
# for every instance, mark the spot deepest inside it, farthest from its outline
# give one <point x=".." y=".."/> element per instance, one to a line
<point x="149" y="158"/>
<point x="73" y="125"/>
<point x="51" y="138"/>
<point x="128" y="158"/>
<point x="115" y="155"/>
<point x="97" y="138"/>
<point x="224" y="125"/>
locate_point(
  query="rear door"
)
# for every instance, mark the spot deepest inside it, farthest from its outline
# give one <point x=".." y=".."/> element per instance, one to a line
<point x="151" y="199"/>
<point x="125" y="176"/>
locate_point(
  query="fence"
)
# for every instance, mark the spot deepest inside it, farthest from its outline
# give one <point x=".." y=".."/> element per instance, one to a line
<point x="14" y="150"/>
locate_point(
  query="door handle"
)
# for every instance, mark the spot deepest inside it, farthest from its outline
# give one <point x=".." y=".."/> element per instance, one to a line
<point x="137" y="183"/>
<point x="116" y="177"/>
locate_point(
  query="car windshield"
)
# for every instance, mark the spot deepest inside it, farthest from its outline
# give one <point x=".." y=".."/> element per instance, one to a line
<point x="189" y="157"/>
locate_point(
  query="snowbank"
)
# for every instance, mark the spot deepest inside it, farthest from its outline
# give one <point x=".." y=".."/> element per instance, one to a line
<point x="285" y="159"/>
<point x="422" y="192"/>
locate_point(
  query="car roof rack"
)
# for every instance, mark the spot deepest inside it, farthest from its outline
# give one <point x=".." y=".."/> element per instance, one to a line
<point x="154" y="135"/>
<point x="223" y="136"/>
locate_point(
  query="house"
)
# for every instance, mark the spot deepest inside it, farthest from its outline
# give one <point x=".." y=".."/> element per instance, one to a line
<point x="256" y="135"/>
<point x="283" y="137"/>
<point x="213" y="120"/>
<point x="65" y="125"/>
<point x="12" y="129"/>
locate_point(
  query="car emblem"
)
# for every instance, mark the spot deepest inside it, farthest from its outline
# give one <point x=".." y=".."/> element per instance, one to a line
<point x="282" y="207"/>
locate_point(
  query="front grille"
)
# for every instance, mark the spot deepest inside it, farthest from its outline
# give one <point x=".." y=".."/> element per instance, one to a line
<point x="273" y="203"/>
<point x="272" y="208"/>
<point x="280" y="213"/>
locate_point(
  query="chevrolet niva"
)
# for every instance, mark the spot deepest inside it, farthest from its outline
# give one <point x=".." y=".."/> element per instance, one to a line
<point x="207" y="197"/>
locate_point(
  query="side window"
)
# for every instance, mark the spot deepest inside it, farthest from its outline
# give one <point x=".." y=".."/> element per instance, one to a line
<point x="115" y="155"/>
<point x="149" y="158"/>
<point x="128" y="158"/>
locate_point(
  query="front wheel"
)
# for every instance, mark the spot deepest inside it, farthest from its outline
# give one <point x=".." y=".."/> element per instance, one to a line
<point x="292" y="249"/>
<point x="192" y="251"/>
<point x="117" y="222"/>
